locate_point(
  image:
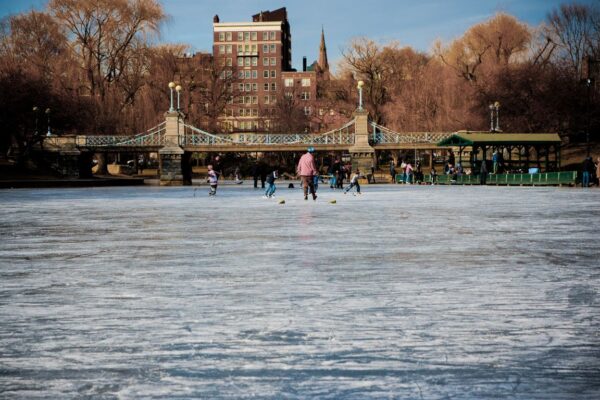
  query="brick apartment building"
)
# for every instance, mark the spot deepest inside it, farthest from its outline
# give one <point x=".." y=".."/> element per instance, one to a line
<point x="260" y="52"/>
<point x="257" y="57"/>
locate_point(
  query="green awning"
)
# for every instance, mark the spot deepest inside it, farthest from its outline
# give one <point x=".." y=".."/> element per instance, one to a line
<point x="499" y="139"/>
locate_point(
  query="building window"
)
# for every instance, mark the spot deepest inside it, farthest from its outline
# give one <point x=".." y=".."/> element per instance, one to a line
<point x="265" y="48"/>
<point x="288" y="82"/>
<point x="228" y="49"/>
<point x="265" y="35"/>
<point x="254" y="99"/>
<point x="273" y="73"/>
<point x="254" y="74"/>
<point x="248" y="99"/>
<point x="255" y="87"/>
<point x="273" y="86"/>
<point x="241" y="112"/>
<point x="247" y="74"/>
<point x="240" y="74"/>
<point x="228" y="34"/>
<point x="222" y="49"/>
<point x="305" y="96"/>
<point x="273" y="61"/>
<point x="306" y="110"/>
<point x="240" y="61"/>
<point x="248" y="87"/>
<point x="246" y="36"/>
<point x="253" y="35"/>
<point x="221" y="36"/>
<point x="289" y="95"/>
<point x="265" y="73"/>
<point x="266" y="100"/>
<point x="228" y="62"/>
<point x="272" y="35"/>
<point x="266" y="61"/>
<point x="241" y="87"/>
<point x="254" y="61"/>
<point x="240" y="50"/>
<point x="266" y="87"/>
<point x="247" y="62"/>
<point x="305" y="82"/>
<point x="254" y="49"/>
<point x="240" y="36"/>
<point x="273" y="50"/>
<point x="255" y="112"/>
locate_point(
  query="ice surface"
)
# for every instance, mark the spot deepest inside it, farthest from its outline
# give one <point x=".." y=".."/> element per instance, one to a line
<point x="404" y="292"/>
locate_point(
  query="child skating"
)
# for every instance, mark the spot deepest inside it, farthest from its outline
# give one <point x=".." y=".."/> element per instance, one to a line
<point x="271" y="184"/>
<point x="354" y="182"/>
<point x="213" y="180"/>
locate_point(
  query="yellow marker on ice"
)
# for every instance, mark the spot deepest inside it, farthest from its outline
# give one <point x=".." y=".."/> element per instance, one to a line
<point x="282" y="201"/>
<point x="333" y="201"/>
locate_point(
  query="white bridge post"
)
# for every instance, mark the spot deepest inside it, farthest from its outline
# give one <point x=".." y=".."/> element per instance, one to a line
<point x="362" y="153"/>
<point x="171" y="155"/>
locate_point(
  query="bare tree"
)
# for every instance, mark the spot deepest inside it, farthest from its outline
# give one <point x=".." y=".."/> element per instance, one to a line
<point x="575" y="29"/>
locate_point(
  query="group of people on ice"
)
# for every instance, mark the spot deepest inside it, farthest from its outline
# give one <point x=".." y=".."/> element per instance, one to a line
<point x="307" y="171"/>
<point x="309" y="175"/>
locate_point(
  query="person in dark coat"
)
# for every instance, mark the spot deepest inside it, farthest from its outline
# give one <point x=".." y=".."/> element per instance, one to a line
<point x="483" y="173"/>
<point x="393" y="171"/>
<point x="263" y="175"/>
<point x="255" y="174"/>
<point x="588" y="169"/>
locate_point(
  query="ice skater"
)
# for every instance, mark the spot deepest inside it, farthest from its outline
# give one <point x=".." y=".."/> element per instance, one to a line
<point x="354" y="182"/>
<point x="271" y="184"/>
<point x="238" y="178"/>
<point x="307" y="169"/>
<point x="316" y="180"/>
<point x="213" y="180"/>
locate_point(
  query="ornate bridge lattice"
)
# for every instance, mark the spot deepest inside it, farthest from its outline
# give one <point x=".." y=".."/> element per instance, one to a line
<point x="197" y="137"/>
<point x="153" y="137"/>
<point x="385" y="137"/>
<point x="192" y="138"/>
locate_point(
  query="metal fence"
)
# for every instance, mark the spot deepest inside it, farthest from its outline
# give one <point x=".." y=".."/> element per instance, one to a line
<point x="382" y="135"/>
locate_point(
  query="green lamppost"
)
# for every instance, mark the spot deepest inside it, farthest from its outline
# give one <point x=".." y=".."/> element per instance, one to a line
<point x="49" y="133"/>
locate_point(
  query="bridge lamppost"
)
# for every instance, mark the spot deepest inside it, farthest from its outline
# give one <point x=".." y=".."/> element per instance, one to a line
<point x="35" y="116"/>
<point x="359" y="87"/>
<point x="171" y="86"/>
<point x="48" y="115"/>
<point x="178" y="90"/>
<point x="495" y="108"/>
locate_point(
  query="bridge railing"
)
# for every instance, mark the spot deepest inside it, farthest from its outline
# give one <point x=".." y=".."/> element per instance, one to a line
<point x="153" y="137"/>
<point x="195" y="137"/>
<point x="383" y="135"/>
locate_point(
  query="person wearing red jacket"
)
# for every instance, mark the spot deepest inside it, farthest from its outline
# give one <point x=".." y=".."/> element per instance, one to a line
<point x="307" y="169"/>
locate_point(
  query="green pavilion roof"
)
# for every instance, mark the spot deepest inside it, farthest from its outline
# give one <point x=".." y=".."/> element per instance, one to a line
<point x="498" y="139"/>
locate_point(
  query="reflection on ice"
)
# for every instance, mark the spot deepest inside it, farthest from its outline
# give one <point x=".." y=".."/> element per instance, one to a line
<point x="403" y="292"/>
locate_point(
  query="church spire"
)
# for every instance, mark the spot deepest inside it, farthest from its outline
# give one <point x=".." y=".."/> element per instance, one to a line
<point x="323" y="63"/>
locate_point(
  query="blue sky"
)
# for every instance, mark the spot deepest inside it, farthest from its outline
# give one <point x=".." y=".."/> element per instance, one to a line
<point x="415" y="23"/>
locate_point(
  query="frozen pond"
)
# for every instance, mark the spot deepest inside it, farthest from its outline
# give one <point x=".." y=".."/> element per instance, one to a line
<point x="404" y="292"/>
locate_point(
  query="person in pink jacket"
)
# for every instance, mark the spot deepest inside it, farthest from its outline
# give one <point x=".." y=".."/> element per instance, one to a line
<point x="307" y="169"/>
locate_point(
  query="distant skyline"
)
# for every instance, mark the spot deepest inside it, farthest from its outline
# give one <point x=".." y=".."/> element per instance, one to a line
<point x="412" y="23"/>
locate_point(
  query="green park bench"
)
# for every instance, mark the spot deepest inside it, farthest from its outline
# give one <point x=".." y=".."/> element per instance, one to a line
<point x="568" y="178"/>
